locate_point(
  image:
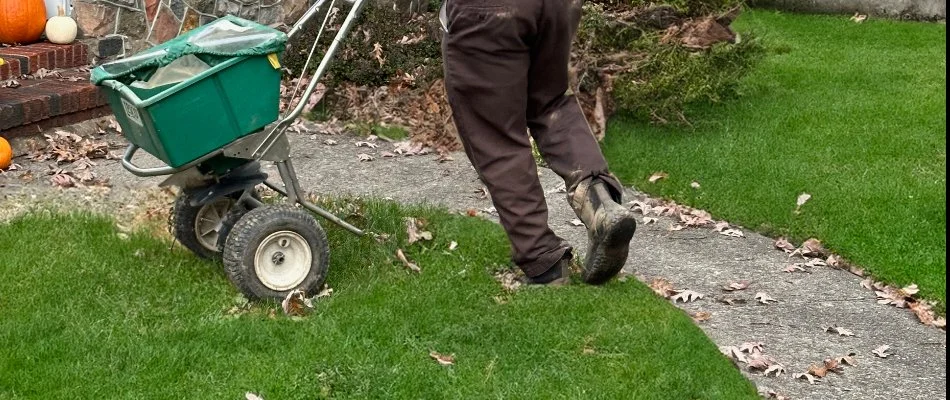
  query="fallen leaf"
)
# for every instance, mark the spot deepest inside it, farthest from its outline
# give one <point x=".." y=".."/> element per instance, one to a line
<point x="731" y="301"/>
<point x="329" y="142"/>
<point x="367" y="144"/>
<point x="774" y="370"/>
<point x="296" y="304"/>
<point x="839" y="330"/>
<point x="454" y="245"/>
<point x="802" y="199"/>
<point x="881" y="351"/>
<point x="252" y="396"/>
<point x="812" y="248"/>
<point x="734" y="354"/>
<point x="662" y="287"/>
<point x="686" y="296"/>
<point x="657" y="176"/>
<point x="694" y="185"/>
<point x="818" y="370"/>
<point x="378" y="53"/>
<point x="811" y="378"/>
<point x="796" y="268"/>
<point x="848" y="359"/>
<point x="867" y="284"/>
<point x="721" y="226"/>
<point x="771" y="394"/>
<point x="764" y="298"/>
<point x="405" y="262"/>
<point x="858" y="18"/>
<point x="751" y="347"/>
<point x="577" y="222"/>
<point x="365" y="157"/>
<point x="832" y="365"/>
<point x="677" y="227"/>
<point x="835" y="261"/>
<point x="701" y="316"/>
<point x="734" y="286"/>
<point x="940" y="322"/>
<point x="784" y="245"/>
<point x="413" y="232"/>
<point x="732" y="233"/>
<point x="910" y="290"/>
<point x="649" y="220"/>
<point x="442" y="359"/>
<point x="387" y="154"/>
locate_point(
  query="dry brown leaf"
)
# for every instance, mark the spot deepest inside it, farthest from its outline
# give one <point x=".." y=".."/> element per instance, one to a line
<point x="847" y="360"/>
<point x="413" y="232"/>
<point x="858" y="18"/>
<point x="835" y="261"/>
<point x="751" y="347"/>
<point x="940" y="323"/>
<point x="686" y="296"/>
<point x="701" y="316"/>
<point x="771" y="394"/>
<point x="453" y="245"/>
<point x="649" y="220"/>
<point x="378" y="53"/>
<point x="405" y="262"/>
<point x="252" y="396"/>
<point x="796" y="268"/>
<point x="867" y="284"/>
<point x="774" y="370"/>
<point x="694" y="185"/>
<point x="732" y="233"/>
<point x="731" y="301"/>
<point x="811" y="378"/>
<point x="818" y="370"/>
<point x="881" y="351"/>
<point x="296" y="304"/>
<point x="784" y="245"/>
<point x="657" y="176"/>
<point x="576" y="222"/>
<point x="734" y="286"/>
<point x="662" y="287"/>
<point x="734" y="353"/>
<point x="832" y="365"/>
<point x="330" y="142"/>
<point x="676" y="228"/>
<point x="839" y="330"/>
<point x="721" y="226"/>
<point x="365" y="157"/>
<point x="443" y="359"/>
<point x="764" y="298"/>
<point x="812" y="248"/>
<point x="366" y="144"/>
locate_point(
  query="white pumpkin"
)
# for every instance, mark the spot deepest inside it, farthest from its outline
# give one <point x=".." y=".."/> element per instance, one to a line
<point x="61" y="29"/>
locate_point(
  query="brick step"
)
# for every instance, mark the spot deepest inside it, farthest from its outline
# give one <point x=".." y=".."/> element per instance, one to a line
<point x="62" y="98"/>
<point x="27" y="59"/>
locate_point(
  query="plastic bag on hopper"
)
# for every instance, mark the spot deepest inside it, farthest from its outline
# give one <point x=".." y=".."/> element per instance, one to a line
<point x="179" y="70"/>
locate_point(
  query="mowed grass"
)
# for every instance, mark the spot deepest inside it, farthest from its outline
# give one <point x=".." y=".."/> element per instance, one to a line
<point x="85" y="314"/>
<point x="852" y="114"/>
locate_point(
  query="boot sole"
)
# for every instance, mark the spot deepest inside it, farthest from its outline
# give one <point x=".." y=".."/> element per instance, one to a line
<point x="606" y="259"/>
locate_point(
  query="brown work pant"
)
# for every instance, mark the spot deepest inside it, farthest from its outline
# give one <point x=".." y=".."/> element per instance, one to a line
<point x="506" y="74"/>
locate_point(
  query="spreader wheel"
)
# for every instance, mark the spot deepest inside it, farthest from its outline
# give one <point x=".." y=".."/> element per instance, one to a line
<point x="275" y="249"/>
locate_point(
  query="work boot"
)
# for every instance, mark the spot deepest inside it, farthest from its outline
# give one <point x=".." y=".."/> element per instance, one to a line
<point x="558" y="275"/>
<point x="610" y="227"/>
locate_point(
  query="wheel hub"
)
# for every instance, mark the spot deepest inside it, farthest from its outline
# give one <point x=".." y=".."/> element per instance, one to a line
<point x="283" y="260"/>
<point x="209" y="221"/>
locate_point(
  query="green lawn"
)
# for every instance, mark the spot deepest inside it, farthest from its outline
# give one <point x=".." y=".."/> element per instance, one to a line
<point x="87" y="315"/>
<point x="853" y="114"/>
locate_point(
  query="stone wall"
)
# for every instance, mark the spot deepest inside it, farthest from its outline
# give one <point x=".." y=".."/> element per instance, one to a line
<point x="115" y="28"/>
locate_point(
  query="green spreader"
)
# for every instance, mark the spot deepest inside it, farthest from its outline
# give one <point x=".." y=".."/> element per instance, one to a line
<point x="206" y="104"/>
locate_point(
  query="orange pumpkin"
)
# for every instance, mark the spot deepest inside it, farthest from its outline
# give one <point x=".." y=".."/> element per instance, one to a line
<point x="6" y="153"/>
<point x="22" y="21"/>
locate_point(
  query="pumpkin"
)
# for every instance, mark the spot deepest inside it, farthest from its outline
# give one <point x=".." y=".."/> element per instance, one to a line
<point x="61" y="29"/>
<point x="6" y="153"/>
<point x="22" y="21"/>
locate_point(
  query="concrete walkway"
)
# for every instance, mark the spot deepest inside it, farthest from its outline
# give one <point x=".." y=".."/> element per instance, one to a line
<point x="791" y="330"/>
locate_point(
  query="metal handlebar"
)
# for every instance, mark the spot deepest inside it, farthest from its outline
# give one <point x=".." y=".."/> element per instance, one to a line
<point x="159" y="171"/>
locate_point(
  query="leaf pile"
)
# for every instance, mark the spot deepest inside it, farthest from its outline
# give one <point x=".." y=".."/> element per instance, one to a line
<point x="686" y="216"/>
<point x="64" y="147"/>
<point x="906" y="297"/>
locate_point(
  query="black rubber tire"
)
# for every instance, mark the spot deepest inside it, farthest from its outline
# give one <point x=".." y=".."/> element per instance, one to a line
<point x="253" y="228"/>
<point x="183" y="219"/>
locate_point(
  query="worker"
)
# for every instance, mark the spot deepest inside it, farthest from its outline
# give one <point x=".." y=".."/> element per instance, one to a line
<point x="506" y="76"/>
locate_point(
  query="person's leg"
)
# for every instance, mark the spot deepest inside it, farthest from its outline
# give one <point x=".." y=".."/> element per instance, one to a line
<point x="566" y="142"/>
<point x="486" y="65"/>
